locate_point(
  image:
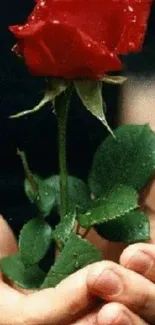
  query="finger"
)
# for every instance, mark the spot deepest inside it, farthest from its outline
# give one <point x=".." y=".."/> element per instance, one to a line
<point x="113" y="282"/>
<point x="8" y="242"/>
<point x="141" y="259"/>
<point x="11" y="306"/>
<point x="117" y="314"/>
<point x="111" y="314"/>
<point x="89" y="319"/>
<point x="21" y="290"/>
<point x="68" y="301"/>
<point x="63" y="304"/>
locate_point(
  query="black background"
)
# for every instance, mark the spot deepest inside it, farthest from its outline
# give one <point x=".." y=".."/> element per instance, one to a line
<point x="37" y="134"/>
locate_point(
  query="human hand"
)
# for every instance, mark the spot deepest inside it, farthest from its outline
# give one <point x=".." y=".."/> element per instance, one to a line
<point x="61" y="305"/>
<point x="127" y="290"/>
<point x="132" y="300"/>
<point x="74" y="297"/>
<point x="137" y="299"/>
<point x="67" y="304"/>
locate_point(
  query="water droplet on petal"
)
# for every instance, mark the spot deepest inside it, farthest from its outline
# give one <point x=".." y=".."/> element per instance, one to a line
<point x="42" y="3"/>
<point x="134" y="19"/>
<point x="130" y="9"/>
<point x="132" y="45"/>
<point x="56" y="21"/>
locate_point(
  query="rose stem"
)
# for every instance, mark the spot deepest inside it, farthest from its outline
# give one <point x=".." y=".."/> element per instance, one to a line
<point x="62" y="104"/>
<point x="86" y="233"/>
<point x="78" y="229"/>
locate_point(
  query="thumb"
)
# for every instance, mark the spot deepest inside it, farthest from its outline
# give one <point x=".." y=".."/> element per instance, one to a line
<point x="63" y="304"/>
<point x="8" y="242"/>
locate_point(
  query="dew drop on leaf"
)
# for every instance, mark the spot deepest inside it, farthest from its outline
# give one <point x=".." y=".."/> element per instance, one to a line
<point x="77" y="265"/>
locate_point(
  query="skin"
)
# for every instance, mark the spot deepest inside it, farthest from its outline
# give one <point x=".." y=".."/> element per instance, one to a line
<point x="117" y="291"/>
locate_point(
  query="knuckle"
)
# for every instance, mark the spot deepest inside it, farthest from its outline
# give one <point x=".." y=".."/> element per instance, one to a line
<point x="142" y="303"/>
<point x="129" y="251"/>
<point x="75" y="306"/>
<point x="96" y="270"/>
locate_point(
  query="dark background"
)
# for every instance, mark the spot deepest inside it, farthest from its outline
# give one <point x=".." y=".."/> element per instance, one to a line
<point x="37" y="134"/>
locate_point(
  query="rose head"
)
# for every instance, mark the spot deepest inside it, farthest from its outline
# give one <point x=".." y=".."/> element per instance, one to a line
<point x="81" y="38"/>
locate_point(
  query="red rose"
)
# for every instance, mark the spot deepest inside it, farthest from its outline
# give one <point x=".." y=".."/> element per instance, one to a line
<point x="81" y="38"/>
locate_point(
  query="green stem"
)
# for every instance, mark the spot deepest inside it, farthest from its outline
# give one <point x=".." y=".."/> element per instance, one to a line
<point x="86" y="233"/>
<point x="61" y="108"/>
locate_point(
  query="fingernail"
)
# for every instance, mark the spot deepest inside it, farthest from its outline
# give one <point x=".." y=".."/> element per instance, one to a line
<point x="123" y="319"/>
<point x="108" y="283"/>
<point x="110" y="318"/>
<point x="140" y="262"/>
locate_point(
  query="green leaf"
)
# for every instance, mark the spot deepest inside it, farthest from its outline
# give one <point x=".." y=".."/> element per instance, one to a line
<point x="28" y="278"/>
<point x="63" y="230"/>
<point x="76" y="254"/>
<point x="34" y="241"/>
<point x="120" y="201"/>
<point x="29" y="191"/>
<point x="45" y="200"/>
<point x="129" y="159"/>
<point x="131" y="228"/>
<point x="49" y="194"/>
<point x="79" y="195"/>
<point x="90" y="92"/>
<point x="55" y="87"/>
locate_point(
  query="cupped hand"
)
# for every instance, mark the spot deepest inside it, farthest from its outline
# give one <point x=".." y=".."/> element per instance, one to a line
<point x="127" y="291"/>
<point x="55" y="306"/>
<point x="131" y="299"/>
<point x="122" y="296"/>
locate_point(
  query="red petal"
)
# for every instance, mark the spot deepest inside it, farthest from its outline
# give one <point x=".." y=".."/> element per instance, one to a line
<point x="102" y="20"/>
<point x="81" y="57"/>
<point x="27" y="30"/>
<point x="134" y="32"/>
<point x="74" y="38"/>
<point x="40" y="12"/>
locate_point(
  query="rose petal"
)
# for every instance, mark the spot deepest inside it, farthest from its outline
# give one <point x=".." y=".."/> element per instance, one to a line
<point x="134" y="32"/>
<point x="40" y="12"/>
<point x="102" y="20"/>
<point x="44" y="54"/>
<point x="79" y="38"/>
